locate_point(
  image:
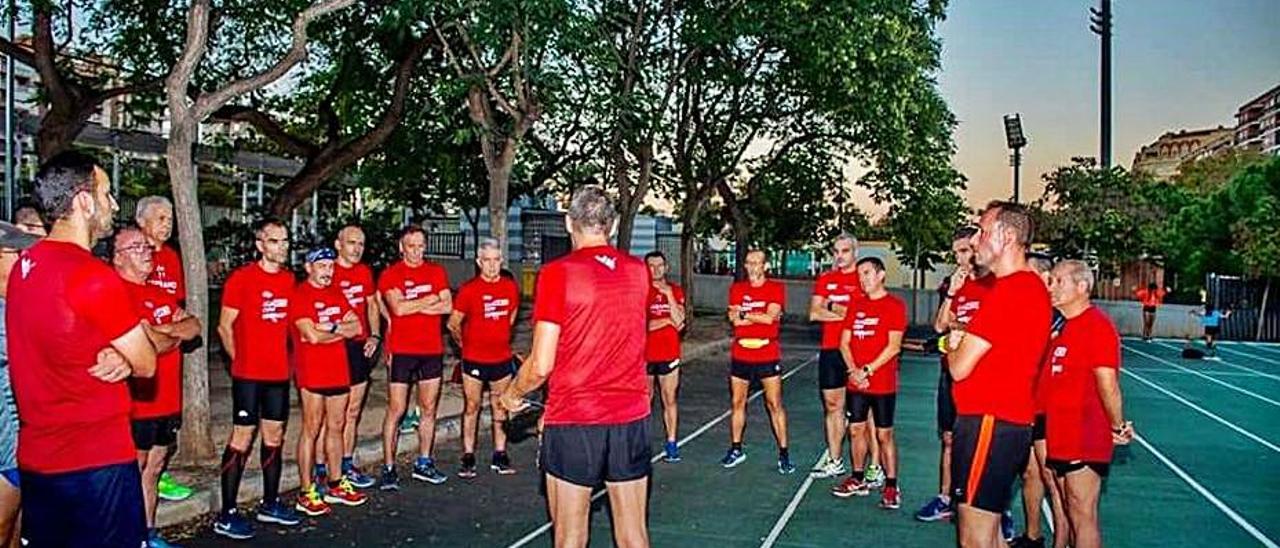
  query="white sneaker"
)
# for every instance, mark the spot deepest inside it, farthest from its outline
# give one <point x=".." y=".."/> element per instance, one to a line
<point x="827" y="468"/>
<point x="874" y="477"/>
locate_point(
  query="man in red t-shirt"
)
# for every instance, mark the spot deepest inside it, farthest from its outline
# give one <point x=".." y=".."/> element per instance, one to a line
<point x="662" y="347"/>
<point x="833" y="294"/>
<point x="588" y="347"/>
<point x="869" y="344"/>
<point x="254" y="328"/>
<point x="322" y="321"/>
<point x="483" y="313"/>
<point x="72" y="345"/>
<point x="355" y="280"/>
<point x="417" y="295"/>
<point x="1151" y="298"/>
<point x="154" y="215"/>
<point x="157" y="401"/>
<point x="994" y="361"/>
<point x="1084" y="410"/>
<point x="755" y="311"/>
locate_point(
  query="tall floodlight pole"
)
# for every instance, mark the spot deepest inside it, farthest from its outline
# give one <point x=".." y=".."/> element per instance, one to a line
<point x="1100" y="24"/>
<point x="1016" y="139"/>
<point x="10" y="180"/>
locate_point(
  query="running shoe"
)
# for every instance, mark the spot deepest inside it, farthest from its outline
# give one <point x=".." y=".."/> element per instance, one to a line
<point x="359" y="479"/>
<point x="409" y="423"/>
<point x="425" y="470"/>
<point x="231" y="524"/>
<point x="784" y="465"/>
<point x="851" y="486"/>
<point x="827" y="467"/>
<point x="1023" y="541"/>
<point x="890" y="498"/>
<point x="276" y="512"/>
<point x="671" y="453"/>
<point x="390" y="480"/>
<point x="345" y="494"/>
<point x="154" y="540"/>
<point x="501" y="463"/>
<point x="169" y="489"/>
<point x="733" y="458"/>
<point x="936" y="509"/>
<point x="874" y="477"/>
<point x="311" y="503"/>
<point x="320" y="479"/>
<point x="468" y="469"/>
<point x="1006" y="526"/>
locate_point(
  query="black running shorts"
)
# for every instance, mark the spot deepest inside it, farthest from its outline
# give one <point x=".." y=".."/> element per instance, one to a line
<point x="156" y="432"/>
<point x="857" y="404"/>
<point x="98" y="507"/>
<point x="752" y="372"/>
<point x="987" y="455"/>
<point x="252" y="401"/>
<point x="589" y="455"/>
<point x="488" y="372"/>
<point x="411" y="368"/>
<point x="1061" y="467"/>
<point x="359" y="365"/>
<point x="833" y="373"/>
<point x="663" y="368"/>
<point x="946" y="404"/>
<point x="1037" y="430"/>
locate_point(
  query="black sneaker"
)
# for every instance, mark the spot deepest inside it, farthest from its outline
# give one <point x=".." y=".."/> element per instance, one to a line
<point x="1023" y="541"/>
<point x="502" y="464"/>
<point x="390" y="480"/>
<point x="468" y="469"/>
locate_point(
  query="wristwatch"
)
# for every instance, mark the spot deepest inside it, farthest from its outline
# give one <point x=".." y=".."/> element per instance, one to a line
<point x="830" y="306"/>
<point x="742" y="314"/>
<point x="866" y="370"/>
<point x="333" y="329"/>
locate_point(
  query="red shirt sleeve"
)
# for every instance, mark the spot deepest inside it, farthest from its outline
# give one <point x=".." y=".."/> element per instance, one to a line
<point x="439" y="279"/>
<point x="462" y="299"/>
<point x="1106" y="351"/>
<point x="548" y="302"/>
<point x="678" y="293"/>
<point x="232" y="290"/>
<point x="387" y="281"/>
<point x="820" y="286"/>
<point x="897" y="318"/>
<point x="986" y="323"/>
<point x="779" y="295"/>
<point x="99" y="295"/>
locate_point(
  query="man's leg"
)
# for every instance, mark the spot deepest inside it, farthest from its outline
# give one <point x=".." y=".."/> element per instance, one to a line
<point x="569" y="506"/>
<point x="151" y="463"/>
<point x="945" y="461"/>
<point x="272" y="455"/>
<point x="498" y="413"/>
<point x="312" y="424"/>
<point x="428" y="395"/>
<point x="873" y="440"/>
<point x="738" y="409"/>
<point x="833" y="420"/>
<point x="628" y="500"/>
<point x="858" y="446"/>
<point x="10" y="503"/>
<point x="889" y="450"/>
<point x="234" y="458"/>
<point x="978" y="528"/>
<point x="1061" y="535"/>
<point x="350" y="428"/>
<point x="397" y="400"/>
<point x="669" y="387"/>
<point x="472" y="394"/>
<point x="1148" y="320"/>
<point x="1082" y="492"/>
<point x="335" y="418"/>
<point x="777" y="412"/>
<point x="1032" y="493"/>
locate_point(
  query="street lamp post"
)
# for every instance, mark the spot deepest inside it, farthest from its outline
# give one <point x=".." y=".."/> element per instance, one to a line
<point x="1016" y="139"/>
<point x="1100" y="24"/>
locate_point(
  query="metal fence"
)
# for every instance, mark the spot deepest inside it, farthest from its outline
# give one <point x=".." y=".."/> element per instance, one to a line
<point x="1254" y="306"/>
<point x="447" y="244"/>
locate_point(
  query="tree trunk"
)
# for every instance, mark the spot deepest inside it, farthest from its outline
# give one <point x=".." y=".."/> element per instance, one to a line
<point x="499" y="182"/>
<point x="630" y="198"/>
<point x="1262" y="310"/>
<point x="687" y="236"/>
<point x="195" y="439"/>
<point x="58" y="129"/>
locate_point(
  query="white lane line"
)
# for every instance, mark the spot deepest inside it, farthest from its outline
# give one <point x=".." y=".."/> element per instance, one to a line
<point x="790" y="510"/>
<point x="1203" y="411"/>
<point x="1243" y="523"/>
<point x="1228" y="385"/>
<point x="1224" y="374"/>
<point x="1251" y="357"/>
<point x="534" y="534"/>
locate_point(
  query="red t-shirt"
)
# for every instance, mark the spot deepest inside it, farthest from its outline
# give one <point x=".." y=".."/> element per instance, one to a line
<point x="167" y="274"/>
<point x="416" y="334"/>
<point x="63" y="307"/>
<point x="597" y="297"/>
<point x="160" y="395"/>
<point x="319" y="365"/>
<point x="663" y="345"/>
<point x="756" y="300"/>
<point x="841" y="288"/>
<point x="967" y="301"/>
<point x="1077" y="427"/>
<point x="261" y="329"/>
<point x="356" y="283"/>
<point x="1015" y="318"/>
<point x="486" y="327"/>
<point x="1151" y="299"/>
<point x="869" y="323"/>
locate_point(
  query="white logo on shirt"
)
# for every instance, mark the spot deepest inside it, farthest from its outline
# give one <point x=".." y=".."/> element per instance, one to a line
<point x="494" y="307"/>
<point x="609" y="262"/>
<point x="273" y="309"/>
<point x="414" y="291"/>
<point x="354" y="293"/>
<point x="27" y="265"/>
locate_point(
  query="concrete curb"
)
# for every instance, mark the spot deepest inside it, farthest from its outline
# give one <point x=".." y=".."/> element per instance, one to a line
<point x="209" y="500"/>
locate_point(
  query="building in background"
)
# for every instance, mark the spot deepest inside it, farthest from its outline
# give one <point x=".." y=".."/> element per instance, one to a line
<point x="1165" y="156"/>
<point x="1258" y="123"/>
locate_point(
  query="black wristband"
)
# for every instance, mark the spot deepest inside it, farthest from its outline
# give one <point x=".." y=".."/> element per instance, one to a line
<point x="742" y="314"/>
<point x="831" y="306"/>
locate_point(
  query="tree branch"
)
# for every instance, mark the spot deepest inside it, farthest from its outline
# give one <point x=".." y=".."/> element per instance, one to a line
<point x="269" y="128"/>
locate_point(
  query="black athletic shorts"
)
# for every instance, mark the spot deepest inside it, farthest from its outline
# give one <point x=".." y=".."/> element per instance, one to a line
<point x="589" y="455"/>
<point x="252" y="401"/>
<point x="359" y="365"/>
<point x="752" y="372"/>
<point x="663" y="368"/>
<point x="1149" y="309"/>
<point x="856" y="405"/>
<point x="411" y="368"/>
<point x="1061" y="467"/>
<point x="330" y="391"/>
<point x="98" y="507"/>
<point x="946" y="404"/>
<point x="1037" y="430"/>
<point x="156" y="432"/>
<point x="488" y="372"/>
<point x="1212" y="330"/>
<point x="987" y="455"/>
<point x="832" y="371"/>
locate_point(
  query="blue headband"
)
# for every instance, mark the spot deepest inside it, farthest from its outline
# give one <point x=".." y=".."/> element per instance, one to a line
<point x="321" y="254"/>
